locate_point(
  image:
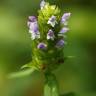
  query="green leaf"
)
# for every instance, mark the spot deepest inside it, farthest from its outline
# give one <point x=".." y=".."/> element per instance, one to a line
<point x="69" y="94"/>
<point x="28" y="65"/>
<point x="69" y="57"/>
<point x="22" y="73"/>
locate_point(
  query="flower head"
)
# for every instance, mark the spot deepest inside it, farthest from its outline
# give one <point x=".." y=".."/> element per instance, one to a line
<point x="64" y="18"/>
<point x="51" y="30"/>
<point x="60" y="43"/>
<point x="41" y="46"/>
<point x="52" y="21"/>
<point x="42" y="4"/>
<point x="50" y="35"/>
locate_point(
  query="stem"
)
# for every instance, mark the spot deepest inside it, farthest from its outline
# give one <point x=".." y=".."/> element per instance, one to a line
<point x="51" y="85"/>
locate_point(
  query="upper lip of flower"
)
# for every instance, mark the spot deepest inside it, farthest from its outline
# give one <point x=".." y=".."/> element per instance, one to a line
<point x="42" y="4"/>
<point x="64" y="30"/>
<point x="65" y="17"/>
<point x="60" y="43"/>
<point x="32" y="19"/>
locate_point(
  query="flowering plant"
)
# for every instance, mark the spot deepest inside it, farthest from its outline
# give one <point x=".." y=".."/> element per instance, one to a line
<point x="48" y="34"/>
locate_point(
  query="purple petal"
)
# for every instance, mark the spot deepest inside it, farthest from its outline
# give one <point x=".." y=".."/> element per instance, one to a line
<point x="42" y="46"/>
<point x="34" y="27"/>
<point x="32" y="19"/>
<point x="52" y="21"/>
<point x="53" y="18"/>
<point x="60" y="43"/>
<point x="66" y="16"/>
<point x="64" y="30"/>
<point x="50" y="35"/>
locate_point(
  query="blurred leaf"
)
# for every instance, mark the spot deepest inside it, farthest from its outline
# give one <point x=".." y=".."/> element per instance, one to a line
<point x="27" y="66"/>
<point x="22" y="73"/>
<point x="69" y="57"/>
<point x="69" y="94"/>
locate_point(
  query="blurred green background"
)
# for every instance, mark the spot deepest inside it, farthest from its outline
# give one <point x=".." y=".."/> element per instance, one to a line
<point x="75" y="75"/>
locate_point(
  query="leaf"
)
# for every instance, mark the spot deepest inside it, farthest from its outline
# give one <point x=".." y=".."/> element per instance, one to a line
<point x="22" y="73"/>
<point x="69" y="57"/>
<point x="28" y="65"/>
<point x="69" y="94"/>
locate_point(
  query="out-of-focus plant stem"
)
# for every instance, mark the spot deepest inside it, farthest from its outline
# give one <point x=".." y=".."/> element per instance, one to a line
<point x="51" y="85"/>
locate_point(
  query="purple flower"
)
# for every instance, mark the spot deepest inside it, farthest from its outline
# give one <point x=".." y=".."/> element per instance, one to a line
<point x="50" y="35"/>
<point x="34" y="31"/>
<point x="64" y="18"/>
<point x="42" y="46"/>
<point x="31" y="19"/>
<point x="52" y="21"/>
<point x="60" y="43"/>
<point x="42" y="4"/>
<point x="34" y="35"/>
<point x="33" y="27"/>
<point x="62" y="31"/>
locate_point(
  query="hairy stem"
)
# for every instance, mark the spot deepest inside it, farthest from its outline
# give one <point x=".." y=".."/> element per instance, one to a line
<point x="51" y="85"/>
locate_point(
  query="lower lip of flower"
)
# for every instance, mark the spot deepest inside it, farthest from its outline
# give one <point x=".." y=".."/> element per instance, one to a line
<point x="41" y="46"/>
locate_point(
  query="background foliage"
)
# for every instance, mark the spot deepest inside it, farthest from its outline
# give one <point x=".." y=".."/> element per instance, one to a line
<point x="75" y="75"/>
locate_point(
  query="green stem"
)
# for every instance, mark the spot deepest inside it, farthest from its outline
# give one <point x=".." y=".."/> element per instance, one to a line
<point x="51" y="85"/>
